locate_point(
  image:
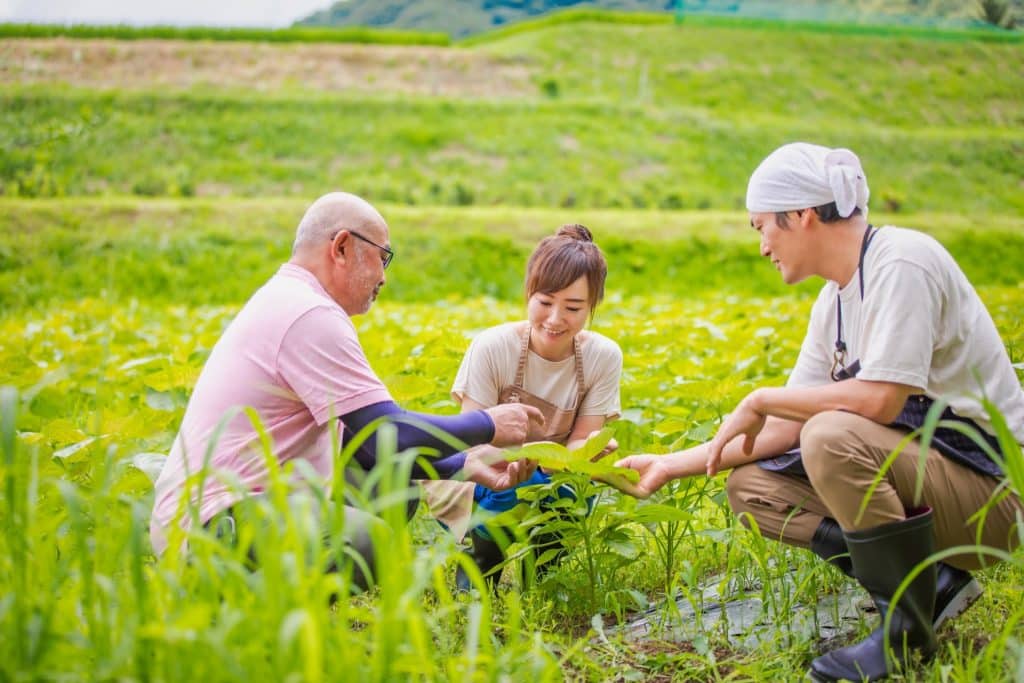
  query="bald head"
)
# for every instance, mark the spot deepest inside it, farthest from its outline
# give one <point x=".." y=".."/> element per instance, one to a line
<point x="333" y="212"/>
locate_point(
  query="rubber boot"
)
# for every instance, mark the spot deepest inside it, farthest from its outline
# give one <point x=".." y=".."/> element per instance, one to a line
<point x="882" y="557"/>
<point x="487" y="555"/>
<point x="829" y="544"/>
<point x="956" y="589"/>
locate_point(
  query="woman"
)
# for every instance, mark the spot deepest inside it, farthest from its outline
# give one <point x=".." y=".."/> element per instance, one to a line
<point x="548" y="361"/>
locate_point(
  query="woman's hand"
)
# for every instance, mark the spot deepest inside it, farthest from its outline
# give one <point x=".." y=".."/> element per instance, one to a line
<point x="488" y="467"/>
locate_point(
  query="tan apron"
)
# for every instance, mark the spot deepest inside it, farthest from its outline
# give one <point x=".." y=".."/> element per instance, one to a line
<point x="451" y="502"/>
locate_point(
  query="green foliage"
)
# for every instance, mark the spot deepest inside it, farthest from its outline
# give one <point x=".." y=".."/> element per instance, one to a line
<point x="463" y="17"/>
<point x="97" y="384"/>
<point x="356" y="34"/>
<point x="109" y="306"/>
<point x="581" y="460"/>
<point x="866" y="25"/>
<point x="673" y="118"/>
<point x="166" y="252"/>
<point x="580" y="15"/>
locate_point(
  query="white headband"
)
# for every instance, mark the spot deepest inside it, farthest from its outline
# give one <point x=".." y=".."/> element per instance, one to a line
<point x="800" y="176"/>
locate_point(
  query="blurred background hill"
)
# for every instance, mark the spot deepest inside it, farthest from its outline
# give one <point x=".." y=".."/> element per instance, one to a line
<point x="580" y="109"/>
<point x="465" y="17"/>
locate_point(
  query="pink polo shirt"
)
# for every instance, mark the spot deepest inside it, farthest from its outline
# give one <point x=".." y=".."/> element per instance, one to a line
<point x="293" y="355"/>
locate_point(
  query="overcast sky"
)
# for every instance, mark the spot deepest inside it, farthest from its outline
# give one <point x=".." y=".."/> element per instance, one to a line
<point x="179" y="12"/>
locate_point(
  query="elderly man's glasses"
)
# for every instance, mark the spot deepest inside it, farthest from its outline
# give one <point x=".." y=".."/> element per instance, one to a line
<point x="386" y="253"/>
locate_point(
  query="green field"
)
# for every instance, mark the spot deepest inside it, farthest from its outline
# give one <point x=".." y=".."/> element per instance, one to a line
<point x="138" y="219"/>
<point x="673" y="118"/>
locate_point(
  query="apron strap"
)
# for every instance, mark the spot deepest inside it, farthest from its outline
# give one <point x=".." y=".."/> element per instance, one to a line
<point x="524" y="350"/>
<point x="581" y="389"/>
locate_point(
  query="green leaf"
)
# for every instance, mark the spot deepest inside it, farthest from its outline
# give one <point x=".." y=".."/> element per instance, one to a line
<point x="555" y="456"/>
<point x="68" y="452"/>
<point x="160" y="400"/>
<point x="657" y="512"/>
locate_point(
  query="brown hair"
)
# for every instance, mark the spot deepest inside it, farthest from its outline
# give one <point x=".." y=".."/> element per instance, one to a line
<point x="827" y="213"/>
<point x="560" y="260"/>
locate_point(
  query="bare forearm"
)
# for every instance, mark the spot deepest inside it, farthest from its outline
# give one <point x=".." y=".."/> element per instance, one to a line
<point x="878" y="401"/>
<point x="777" y="437"/>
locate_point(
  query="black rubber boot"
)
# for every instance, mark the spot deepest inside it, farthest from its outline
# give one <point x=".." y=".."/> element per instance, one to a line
<point x="955" y="589"/>
<point x="882" y="557"/>
<point x="487" y="555"/>
<point x="829" y="544"/>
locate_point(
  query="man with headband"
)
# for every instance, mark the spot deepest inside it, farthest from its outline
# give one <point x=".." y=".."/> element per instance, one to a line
<point x="896" y="328"/>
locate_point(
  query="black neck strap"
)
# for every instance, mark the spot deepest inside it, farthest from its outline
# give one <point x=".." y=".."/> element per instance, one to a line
<point x="839" y="356"/>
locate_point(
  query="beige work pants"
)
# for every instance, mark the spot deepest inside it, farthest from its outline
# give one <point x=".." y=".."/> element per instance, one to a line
<point x="842" y="454"/>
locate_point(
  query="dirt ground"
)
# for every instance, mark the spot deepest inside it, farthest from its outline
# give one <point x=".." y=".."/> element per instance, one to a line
<point x="154" y="64"/>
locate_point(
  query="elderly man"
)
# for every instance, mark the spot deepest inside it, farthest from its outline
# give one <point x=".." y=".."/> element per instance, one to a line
<point x="896" y="326"/>
<point x="292" y="355"/>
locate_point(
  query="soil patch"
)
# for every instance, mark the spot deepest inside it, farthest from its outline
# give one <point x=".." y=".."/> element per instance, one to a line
<point x="158" y="64"/>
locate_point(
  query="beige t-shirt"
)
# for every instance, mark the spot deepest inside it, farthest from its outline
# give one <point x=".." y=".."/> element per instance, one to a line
<point x="921" y="324"/>
<point x="492" y="358"/>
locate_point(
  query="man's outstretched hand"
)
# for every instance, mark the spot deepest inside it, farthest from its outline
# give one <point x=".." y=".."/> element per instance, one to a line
<point x="654" y="474"/>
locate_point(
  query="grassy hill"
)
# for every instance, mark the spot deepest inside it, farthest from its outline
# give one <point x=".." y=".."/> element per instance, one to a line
<point x="673" y="117"/>
<point x="466" y="17"/>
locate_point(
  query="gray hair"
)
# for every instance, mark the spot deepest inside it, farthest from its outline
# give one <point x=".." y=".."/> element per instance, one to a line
<point x="333" y="212"/>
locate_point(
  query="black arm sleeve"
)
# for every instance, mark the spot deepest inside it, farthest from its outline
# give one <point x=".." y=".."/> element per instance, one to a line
<point x="472" y="428"/>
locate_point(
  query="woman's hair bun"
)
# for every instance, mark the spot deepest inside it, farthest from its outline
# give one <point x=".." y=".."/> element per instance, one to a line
<point x="576" y="232"/>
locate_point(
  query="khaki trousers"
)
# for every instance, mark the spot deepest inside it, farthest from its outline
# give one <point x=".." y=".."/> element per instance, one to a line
<point x="842" y="454"/>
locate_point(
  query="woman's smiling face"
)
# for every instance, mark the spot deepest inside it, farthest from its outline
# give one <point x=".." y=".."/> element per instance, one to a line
<point x="555" y="318"/>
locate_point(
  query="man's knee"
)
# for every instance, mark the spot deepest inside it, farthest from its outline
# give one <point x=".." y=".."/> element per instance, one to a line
<point x="825" y="444"/>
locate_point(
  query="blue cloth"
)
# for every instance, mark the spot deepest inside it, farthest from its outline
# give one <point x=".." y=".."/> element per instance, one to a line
<point x="496" y="502"/>
<point x="502" y="501"/>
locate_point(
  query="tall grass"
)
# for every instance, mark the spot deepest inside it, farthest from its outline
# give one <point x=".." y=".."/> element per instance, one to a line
<point x="110" y="611"/>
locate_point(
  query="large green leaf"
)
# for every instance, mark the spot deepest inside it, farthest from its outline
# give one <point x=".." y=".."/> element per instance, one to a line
<point x="555" y="456"/>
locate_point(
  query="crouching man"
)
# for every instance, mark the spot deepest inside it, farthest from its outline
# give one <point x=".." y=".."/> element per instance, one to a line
<point x="896" y="326"/>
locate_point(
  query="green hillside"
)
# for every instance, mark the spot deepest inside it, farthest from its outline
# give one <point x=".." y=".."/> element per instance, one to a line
<point x="466" y="17"/>
<point x="673" y="117"/>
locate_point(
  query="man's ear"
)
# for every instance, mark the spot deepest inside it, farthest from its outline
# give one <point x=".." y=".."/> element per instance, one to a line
<point x="339" y="245"/>
<point x="807" y="218"/>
